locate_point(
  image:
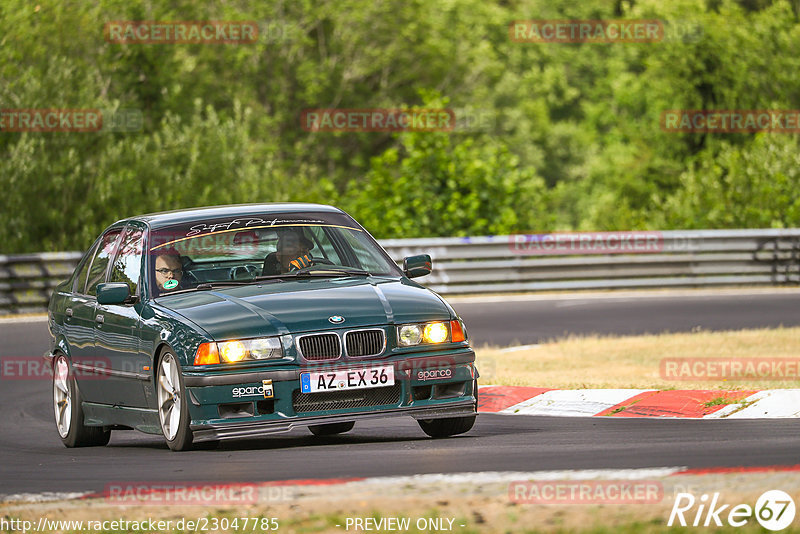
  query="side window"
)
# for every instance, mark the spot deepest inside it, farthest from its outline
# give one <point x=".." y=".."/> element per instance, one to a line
<point x="105" y="250"/>
<point x="128" y="263"/>
<point x="80" y="281"/>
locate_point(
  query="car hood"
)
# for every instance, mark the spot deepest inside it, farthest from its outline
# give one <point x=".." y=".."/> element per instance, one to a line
<point x="305" y="305"/>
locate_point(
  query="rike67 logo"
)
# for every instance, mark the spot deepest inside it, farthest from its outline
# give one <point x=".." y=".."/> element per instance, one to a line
<point x="774" y="510"/>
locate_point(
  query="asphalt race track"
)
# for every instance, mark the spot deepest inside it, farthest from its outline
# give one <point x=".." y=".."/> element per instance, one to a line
<point x="34" y="460"/>
<point x="520" y="320"/>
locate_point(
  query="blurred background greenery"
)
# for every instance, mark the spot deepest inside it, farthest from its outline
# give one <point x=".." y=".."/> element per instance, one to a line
<point x="568" y="139"/>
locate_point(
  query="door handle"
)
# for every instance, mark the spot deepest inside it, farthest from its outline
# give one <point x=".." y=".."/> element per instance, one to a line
<point x="99" y="319"/>
<point x="68" y="311"/>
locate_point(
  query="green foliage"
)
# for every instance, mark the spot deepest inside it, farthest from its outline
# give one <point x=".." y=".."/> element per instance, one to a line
<point x="435" y="185"/>
<point x="733" y="186"/>
<point x="574" y="140"/>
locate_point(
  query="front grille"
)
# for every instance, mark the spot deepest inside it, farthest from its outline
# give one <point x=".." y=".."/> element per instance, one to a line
<point x="362" y="343"/>
<point x="320" y="347"/>
<point x="343" y="400"/>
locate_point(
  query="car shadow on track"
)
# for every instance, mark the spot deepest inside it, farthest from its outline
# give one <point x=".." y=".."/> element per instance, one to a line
<point x="487" y="425"/>
<point x="267" y="443"/>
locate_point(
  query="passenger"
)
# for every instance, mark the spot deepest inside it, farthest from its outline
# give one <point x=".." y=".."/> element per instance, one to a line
<point x="292" y="253"/>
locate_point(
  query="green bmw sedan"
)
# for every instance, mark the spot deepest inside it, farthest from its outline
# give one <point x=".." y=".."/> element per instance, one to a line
<point x="242" y="321"/>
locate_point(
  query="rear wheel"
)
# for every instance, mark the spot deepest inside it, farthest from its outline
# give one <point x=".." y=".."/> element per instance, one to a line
<point x="68" y="409"/>
<point x="173" y="411"/>
<point x="331" y="428"/>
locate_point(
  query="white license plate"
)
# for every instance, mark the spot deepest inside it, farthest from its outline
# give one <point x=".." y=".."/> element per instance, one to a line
<point x="356" y="378"/>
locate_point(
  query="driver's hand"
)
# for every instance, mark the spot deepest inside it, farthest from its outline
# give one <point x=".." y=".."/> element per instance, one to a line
<point x="300" y="262"/>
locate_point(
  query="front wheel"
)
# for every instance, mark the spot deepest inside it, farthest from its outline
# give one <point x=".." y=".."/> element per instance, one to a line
<point x="68" y="408"/>
<point x="173" y="410"/>
<point x="444" y="428"/>
<point x="331" y="429"/>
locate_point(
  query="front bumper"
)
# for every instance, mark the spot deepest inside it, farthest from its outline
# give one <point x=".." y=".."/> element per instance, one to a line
<point x="219" y="411"/>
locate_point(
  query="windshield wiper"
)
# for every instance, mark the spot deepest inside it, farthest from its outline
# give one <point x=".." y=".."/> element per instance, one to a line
<point x="207" y="286"/>
<point x="321" y="273"/>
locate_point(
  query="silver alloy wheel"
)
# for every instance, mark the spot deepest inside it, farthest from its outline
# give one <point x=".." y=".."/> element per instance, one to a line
<point x="169" y="396"/>
<point x="62" y="403"/>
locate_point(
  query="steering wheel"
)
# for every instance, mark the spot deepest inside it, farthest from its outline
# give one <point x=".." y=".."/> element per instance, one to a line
<point x="187" y="265"/>
<point x="324" y="261"/>
<point x="243" y="272"/>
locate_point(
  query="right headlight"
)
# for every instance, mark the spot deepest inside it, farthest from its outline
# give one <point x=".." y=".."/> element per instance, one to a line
<point x="262" y="348"/>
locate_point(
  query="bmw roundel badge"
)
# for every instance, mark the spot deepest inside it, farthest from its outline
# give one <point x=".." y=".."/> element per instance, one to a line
<point x="336" y="319"/>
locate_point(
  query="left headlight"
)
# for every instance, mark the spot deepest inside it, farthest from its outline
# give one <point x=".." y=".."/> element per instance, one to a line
<point x="263" y="348"/>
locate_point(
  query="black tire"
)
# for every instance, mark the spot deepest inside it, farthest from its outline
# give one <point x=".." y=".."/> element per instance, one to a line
<point x="170" y="392"/>
<point x="444" y="428"/>
<point x="67" y="398"/>
<point x="331" y="428"/>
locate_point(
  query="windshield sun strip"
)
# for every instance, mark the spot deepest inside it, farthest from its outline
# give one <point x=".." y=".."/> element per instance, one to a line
<point x="252" y="228"/>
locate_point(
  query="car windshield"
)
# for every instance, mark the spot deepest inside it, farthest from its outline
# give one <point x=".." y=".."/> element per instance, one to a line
<point x="240" y="250"/>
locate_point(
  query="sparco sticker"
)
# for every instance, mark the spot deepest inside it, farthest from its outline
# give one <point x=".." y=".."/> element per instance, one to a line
<point x="252" y="391"/>
<point x="434" y="374"/>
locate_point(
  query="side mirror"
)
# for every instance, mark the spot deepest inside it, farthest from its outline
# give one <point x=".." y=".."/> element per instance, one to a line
<point x="414" y="266"/>
<point x="113" y="293"/>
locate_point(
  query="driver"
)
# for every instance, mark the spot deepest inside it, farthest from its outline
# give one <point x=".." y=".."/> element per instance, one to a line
<point x="169" y="271"/>
<point x="292" y="253"/>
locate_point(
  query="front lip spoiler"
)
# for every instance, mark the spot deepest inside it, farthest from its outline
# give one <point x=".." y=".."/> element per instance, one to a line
<point x="264" y="428"/>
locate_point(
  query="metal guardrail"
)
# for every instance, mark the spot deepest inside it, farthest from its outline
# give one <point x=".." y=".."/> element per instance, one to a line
<point x="26" y="280"/>
<point x="682" y="258"/>
<point x="505" y="264"/>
